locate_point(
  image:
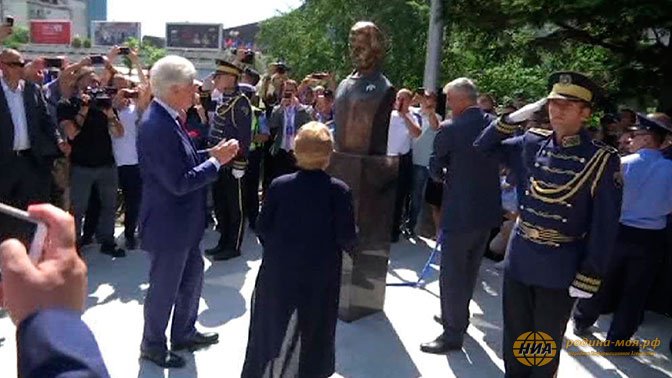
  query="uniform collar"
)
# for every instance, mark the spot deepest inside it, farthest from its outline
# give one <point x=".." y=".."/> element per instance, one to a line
<point x="570" y="141"/>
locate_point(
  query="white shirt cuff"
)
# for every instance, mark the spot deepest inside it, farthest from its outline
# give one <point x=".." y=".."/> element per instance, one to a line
<point x="216" y="162"/>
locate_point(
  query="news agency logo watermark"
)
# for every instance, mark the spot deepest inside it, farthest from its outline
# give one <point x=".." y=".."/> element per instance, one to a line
<point x="612" y="347"/>
<point x="534" y="349"/>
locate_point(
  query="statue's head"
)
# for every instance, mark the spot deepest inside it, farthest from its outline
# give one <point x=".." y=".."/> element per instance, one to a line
<point x="367" y="46"/>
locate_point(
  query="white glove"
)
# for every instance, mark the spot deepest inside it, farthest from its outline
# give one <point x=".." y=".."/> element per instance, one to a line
<point x="524" y="113"/>
<point x="238" y="173"/>
<point x="578" y="293"/>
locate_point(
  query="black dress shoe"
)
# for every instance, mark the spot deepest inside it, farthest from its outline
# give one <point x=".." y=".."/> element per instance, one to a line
<point x="198" y="341"/>
<point x="112" y="250"/>
<point x="213" y="251"/>
<point x="163" y="358"/>
<point x="580" y="330"/>
<point x="437" y="318"/>
<point x="226" y="254"/>
<point x="440" y="346"/>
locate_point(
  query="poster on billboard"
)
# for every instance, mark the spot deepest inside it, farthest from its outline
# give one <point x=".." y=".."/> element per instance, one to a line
<point x="50" y="32"/>
<point x="108" y="33"/>
<point x="194" y="36"/>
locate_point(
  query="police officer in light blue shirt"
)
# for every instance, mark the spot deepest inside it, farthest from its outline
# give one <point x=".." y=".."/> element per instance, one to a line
<point x="647" y="201"/>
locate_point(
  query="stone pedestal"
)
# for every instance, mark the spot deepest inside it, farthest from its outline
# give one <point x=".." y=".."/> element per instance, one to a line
<point x="373" y="180"/>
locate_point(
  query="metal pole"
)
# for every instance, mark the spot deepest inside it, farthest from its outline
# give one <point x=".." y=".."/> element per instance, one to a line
<point x="434" y="45"/>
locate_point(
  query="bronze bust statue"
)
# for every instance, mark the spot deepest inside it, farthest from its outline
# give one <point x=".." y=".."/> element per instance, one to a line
<point x="362" y="110"/>
<point x="365" y="98"/>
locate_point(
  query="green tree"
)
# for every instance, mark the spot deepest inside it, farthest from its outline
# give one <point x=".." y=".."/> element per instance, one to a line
<point x="19" y="37"/>
<point x="633" y="35"/>
<point x="314" y="37"/>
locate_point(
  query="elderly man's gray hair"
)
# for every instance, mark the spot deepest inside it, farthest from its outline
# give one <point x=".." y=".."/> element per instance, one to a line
<point x="464" y="86"/>
<point x="169" y="71"/>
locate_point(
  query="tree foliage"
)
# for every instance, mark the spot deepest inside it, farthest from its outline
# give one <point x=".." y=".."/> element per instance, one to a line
<point x="508" y="46"/>
<point x="19" y="37"/>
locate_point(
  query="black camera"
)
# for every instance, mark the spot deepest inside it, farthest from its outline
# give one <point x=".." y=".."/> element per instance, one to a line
<point x="9" y="21"/>
<point x="100" y="97"/>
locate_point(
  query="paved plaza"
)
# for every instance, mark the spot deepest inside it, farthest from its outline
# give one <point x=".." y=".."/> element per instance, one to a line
<point x="383" y="345"/>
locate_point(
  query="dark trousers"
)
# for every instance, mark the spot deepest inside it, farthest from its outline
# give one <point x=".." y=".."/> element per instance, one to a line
<point x="175" y="280"/>
<point x="251" y="185"/>
<point x="227" y="194"/>
<point x="92" y="214"/>
<point x="284" y="163"/>
<point x="130" y="184"/>
<point x="83" y="180"/>
<point x="461" y="254"/>
<point x="404" y="184"/>
<point x="418" y="187"/>
<point x="533" y="309"/>
<point x="632" y="273"/>
<point x="22" y="182"/>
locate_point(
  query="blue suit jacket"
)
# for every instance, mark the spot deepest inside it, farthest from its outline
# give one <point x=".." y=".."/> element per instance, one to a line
<point x="174" y="184"/>
<point x="57" y="343"/>
<point x="471" y="190"/>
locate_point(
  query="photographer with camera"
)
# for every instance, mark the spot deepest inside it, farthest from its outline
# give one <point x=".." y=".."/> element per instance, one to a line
<point x="127" y="108"/>
<point x="90" y="124"/>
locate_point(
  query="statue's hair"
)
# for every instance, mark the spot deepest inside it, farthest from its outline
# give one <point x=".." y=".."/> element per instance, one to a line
<point x="376" y="37"/>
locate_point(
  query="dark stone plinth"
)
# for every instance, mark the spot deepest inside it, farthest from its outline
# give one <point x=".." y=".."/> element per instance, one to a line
<point x="373" y="180"/>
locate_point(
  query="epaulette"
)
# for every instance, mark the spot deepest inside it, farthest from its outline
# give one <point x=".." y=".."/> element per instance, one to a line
<point x="541" y="132"/>
<point x="604" y="146"/>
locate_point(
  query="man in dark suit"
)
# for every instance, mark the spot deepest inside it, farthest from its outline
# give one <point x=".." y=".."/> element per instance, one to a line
<point x="471" y="209"/>
<point x="27" y="139"/>
<point x="175" y="177"/>
<point x="284" y="123"/>
<point x="46" y="300"/>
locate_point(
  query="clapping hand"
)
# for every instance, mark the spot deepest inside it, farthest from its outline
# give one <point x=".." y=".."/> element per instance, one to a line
<point x="224" y="151"/>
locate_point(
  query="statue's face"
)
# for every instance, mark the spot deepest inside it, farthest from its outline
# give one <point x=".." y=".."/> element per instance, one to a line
<point x="362" y="52"/>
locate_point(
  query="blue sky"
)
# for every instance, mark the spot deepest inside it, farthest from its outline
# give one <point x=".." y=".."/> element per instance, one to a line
<point x="154" y="14"/>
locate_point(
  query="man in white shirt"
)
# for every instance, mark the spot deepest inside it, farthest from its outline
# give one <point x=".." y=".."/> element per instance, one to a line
<point x="126" y="157"/>
<point x="422" y="149"/>
<point x="404" y="128"/>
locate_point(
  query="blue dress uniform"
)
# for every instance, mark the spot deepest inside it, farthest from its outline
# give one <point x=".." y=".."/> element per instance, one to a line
<point x="647" y="202"/>
<point x="569" y="199"/>
<point x="232" y="120"/>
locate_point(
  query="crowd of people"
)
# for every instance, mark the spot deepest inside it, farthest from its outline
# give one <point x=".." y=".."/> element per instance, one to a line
<point x="574" y="208"/>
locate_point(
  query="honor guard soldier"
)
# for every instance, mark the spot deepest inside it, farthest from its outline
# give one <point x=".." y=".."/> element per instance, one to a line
<point x="647" y="202"/>
<point x="232" y="119"/>
<point x="569" y="192"/>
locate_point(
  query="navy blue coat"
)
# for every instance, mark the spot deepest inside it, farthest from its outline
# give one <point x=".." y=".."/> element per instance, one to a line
<point x="174" y="184"/>
<point x="471" y="192"/>
<point x="305" y="223"/>
<point x="57" y="343"/>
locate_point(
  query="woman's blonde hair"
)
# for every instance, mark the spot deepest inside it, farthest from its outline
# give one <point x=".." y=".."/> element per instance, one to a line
<point x="313" y="146"/>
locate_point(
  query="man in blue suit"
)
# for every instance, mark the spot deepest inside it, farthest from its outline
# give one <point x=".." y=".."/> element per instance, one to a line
<point x="175" y="177"/>
<point x="471" y="209"/>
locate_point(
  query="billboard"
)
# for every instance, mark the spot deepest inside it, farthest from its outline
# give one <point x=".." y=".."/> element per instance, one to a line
<point x="194" y="36"/>
<point x="108" y="33"/>
<point x="50" y="32"/>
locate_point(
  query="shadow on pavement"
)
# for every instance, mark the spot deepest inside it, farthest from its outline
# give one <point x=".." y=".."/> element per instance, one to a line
<point x="373" y="349"/>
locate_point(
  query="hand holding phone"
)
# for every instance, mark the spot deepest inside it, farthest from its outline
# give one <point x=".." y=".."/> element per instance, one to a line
<point x="58" y="280"/>
<point x="36" y="230"/>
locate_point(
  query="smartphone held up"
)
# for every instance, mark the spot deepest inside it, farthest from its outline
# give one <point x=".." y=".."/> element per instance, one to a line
<point x="18" y="224"/>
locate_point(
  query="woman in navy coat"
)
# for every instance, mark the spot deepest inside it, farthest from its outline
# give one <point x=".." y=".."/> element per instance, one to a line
<point x="305" y="224"/>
